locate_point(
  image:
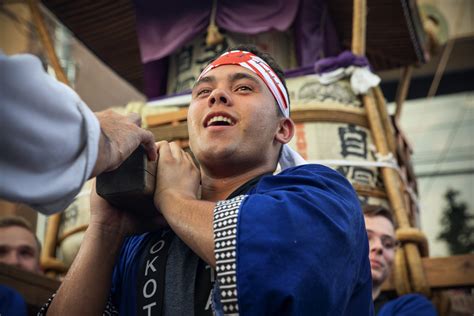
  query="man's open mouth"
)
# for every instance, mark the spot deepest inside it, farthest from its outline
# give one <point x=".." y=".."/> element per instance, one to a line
<point x="219" y="120"/>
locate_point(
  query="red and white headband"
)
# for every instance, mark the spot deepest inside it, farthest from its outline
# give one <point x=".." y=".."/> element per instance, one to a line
<point x="259" y="67"/>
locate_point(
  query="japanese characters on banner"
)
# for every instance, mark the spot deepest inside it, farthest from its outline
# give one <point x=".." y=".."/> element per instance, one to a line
<point x="188" y="62"/>
<point x="308" y="89"/>
<point x="334" y="142"/>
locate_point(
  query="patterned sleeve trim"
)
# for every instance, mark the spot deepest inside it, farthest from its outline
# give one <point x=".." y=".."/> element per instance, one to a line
<point x="225" y="232"/>
<point x="110" y="309"/>
<point x="44" y="308"/>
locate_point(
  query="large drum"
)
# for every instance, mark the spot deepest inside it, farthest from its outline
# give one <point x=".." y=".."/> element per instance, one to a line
<point x="332" y="129"/>
<point x="74" y="221"/>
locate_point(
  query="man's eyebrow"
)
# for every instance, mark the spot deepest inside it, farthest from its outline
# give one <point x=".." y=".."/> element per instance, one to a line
<point x="205" y="79"/>
<point x="383" y="235"/>
<point x="242" y="75"/>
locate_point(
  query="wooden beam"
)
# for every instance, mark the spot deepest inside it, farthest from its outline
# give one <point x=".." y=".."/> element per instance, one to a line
<point x="402" y="90"/>
<point x="48" y="253"/>
<point x="166" y="118"/>
<point x="35" y="288"/>
<point x="46" y="40"/>
<point x="169" y="132"/>
<point x="445" y="272"/>
<point x="396" y="197"/>
<point x="160" y="125"/>
<point x="348" y="115"/>
<point x="54" y="220"/>
<point x="386" y="122"/>
<point x="359" y="25"/>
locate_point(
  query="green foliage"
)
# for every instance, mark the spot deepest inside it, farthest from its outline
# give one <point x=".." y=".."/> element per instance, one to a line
<point x="458" y="225"/>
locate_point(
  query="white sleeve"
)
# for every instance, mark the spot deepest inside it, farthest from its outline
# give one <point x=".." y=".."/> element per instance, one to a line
<point x="49" y="138"/>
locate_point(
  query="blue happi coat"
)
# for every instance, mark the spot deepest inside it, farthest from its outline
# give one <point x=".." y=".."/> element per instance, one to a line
<point x="289" y="244"/>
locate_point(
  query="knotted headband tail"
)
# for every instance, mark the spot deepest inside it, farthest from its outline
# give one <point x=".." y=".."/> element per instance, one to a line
<point x="290" y="158"/>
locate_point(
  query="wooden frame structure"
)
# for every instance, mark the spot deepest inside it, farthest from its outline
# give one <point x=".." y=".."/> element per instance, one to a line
<point x="35" y="288"/>
<point x="414" y="271"/>
<point x="409" y="255"/>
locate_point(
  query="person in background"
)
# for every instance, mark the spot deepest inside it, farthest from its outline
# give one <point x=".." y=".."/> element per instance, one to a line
<point x="51" y="142"/>
<point x="19" y="245"/>
<point x="383" y="244"/>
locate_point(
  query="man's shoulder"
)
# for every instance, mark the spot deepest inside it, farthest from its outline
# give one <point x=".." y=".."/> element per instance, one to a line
<point x="315" y="171"/>
<point x="412" y="299"/>
<point x="310" y="176"/>
<point x="407" y="305"/>
<point x="315" y="189"/>
<point x="309" y="167"/>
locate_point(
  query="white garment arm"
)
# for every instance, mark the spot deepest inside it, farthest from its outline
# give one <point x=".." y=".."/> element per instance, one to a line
<point x="49" y="138"/>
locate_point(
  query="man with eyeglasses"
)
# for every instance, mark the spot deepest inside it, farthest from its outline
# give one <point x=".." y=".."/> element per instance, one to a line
<point x="383" y="244"/>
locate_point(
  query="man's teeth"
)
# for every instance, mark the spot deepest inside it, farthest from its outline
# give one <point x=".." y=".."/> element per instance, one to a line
<point x="219" y="119"/>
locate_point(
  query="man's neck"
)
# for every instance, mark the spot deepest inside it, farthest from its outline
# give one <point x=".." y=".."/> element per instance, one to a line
<point x="219" y="188"/>
<point x="375" y="291"/>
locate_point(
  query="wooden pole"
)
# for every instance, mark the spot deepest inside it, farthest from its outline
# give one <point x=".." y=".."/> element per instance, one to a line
<point x="387" y="123"/>
<point x="378" y="134"/>
<point x="46" y="40"/>
<point x="401" y="279"/>
<point x="48" y="253"/>
<point x="397" y="201"/>
<point x="49" y="248"/>
<point x="390" y="176"/>
<point x="402" y="90"/>
<point x="441" y="67"/>
<point x="359" y="23"/>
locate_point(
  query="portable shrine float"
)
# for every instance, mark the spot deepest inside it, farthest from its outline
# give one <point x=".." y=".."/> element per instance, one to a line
<point x="331" y="51"/>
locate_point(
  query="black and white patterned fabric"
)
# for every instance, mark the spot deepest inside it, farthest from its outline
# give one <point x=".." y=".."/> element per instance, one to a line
<point x="110" y="309"/>
<point x="225" y="232"/>
<point x="44" y="308"/>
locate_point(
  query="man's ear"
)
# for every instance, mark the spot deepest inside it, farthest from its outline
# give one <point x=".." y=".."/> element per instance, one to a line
<point x="286" y="130"/>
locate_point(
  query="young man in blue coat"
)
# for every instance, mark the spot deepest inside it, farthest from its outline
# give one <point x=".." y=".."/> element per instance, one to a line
<point x="287" y="244"/>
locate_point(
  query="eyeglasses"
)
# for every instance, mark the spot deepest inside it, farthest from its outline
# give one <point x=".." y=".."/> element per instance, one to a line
<point x="387" y="242"/>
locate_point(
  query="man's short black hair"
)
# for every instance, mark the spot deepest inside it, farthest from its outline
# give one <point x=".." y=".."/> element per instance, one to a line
<point x="377" y="210"/>
<point x="18" y="221"/>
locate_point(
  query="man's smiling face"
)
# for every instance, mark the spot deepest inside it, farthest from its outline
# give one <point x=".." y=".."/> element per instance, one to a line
<point x="232" y="116"/>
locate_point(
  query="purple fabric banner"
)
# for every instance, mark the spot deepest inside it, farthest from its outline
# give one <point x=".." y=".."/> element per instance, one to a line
<point x="165" y="26"/>
<point x="252" y="17"/>
<point x="315" y="35"/>
<point x="343" y="60"/>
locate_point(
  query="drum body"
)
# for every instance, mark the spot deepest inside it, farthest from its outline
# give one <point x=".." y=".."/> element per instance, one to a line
<point x="74" y="222"/>
<point x="332" y="129"/>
